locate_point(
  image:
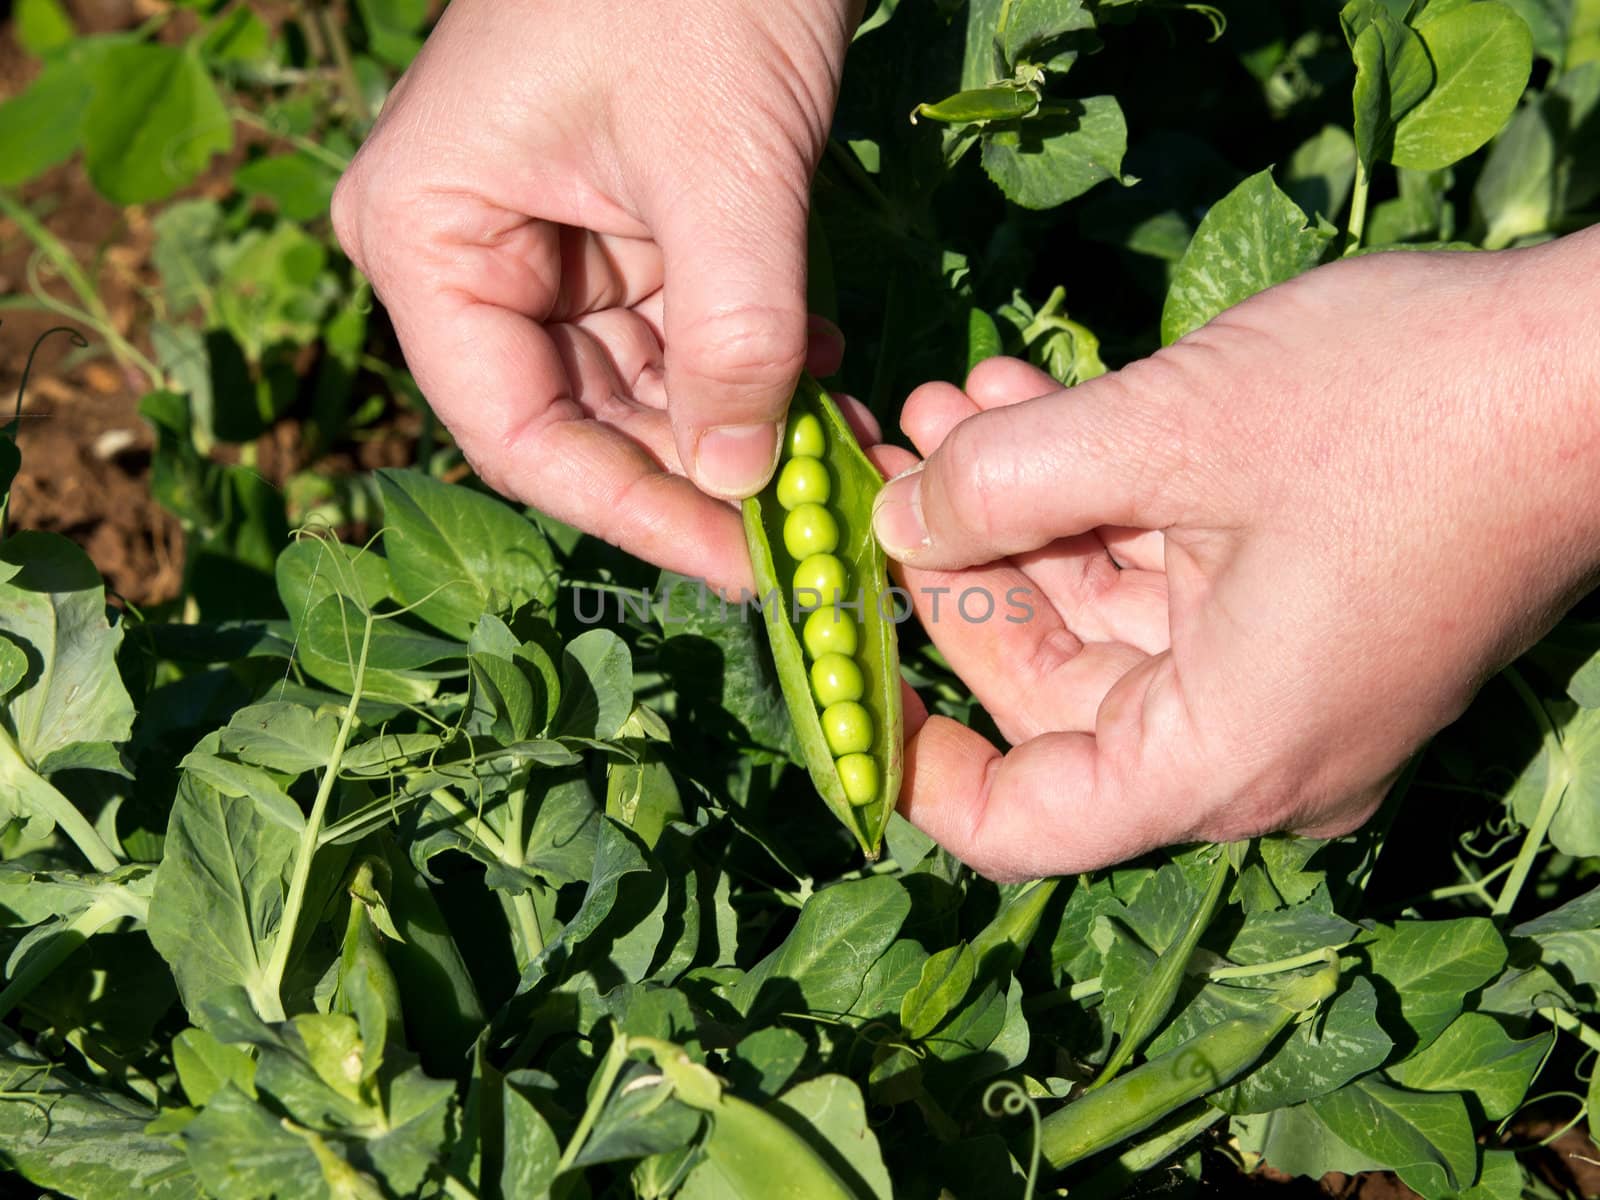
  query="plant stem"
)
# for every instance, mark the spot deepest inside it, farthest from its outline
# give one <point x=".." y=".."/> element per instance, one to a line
<point x="447" y="800"/>
<point x="52" y="248"/>
<point x="604" y="1082"/>
<point x="333" y="39"/>
<point x="39" y="795"/>
<point x="278" y="963"/>
<point x="1358" y="209"/>
<point x="1558" y="775"/>
<point x="304" y="144"/>
<point x="1562" y="1019"/>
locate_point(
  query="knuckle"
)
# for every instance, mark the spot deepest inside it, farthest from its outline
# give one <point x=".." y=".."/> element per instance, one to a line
<point x="752" y="347"/>
<point x="972" y="487"/>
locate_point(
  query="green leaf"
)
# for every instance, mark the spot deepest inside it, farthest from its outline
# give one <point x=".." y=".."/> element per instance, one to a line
<point x="1253" y="238"/>
<point x="285" y="737"/>
<point x="596" y="685"/>
<point x="1393" y="74"/>
<point x="1035" y="27"/>
<point x="1321" y="171"/>
<point x="531" y="1150"/>
<point x="1482" y="54"/>
<point x="240" y="1151"/>
<point x="42" y="26"/>
<point x="1297" y="1141"/>
<point x="829" y="1113"/>
<point x="1576" y="828"/>
<point x="219" y="893"/>
<point x="1434" y="965"/>
<point x="946" y="978"/>
<point x="1344" y="1041"/>
<point x="1543" y="164"/>
<point x="455" y="554"/>
<point x="1474" y="1054"/>
<point x="299" y="184"/>
<point x="154" y="122"/>
<point x="239" y="779"/>
<point x="1424" y="1138"/>
<point x="822" y="963"/>
<point x="1059" y="154"/>
<point x="393" y="28"/>
<point x="205" y="1065"/>
<point x="40" y="126"/>
<point x="13" y="666"/>
<point x="62" y="1134"/>
<point x="54" y="607"/>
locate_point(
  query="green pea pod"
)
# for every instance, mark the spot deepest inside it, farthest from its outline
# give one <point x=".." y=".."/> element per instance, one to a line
<point x="1206" y="1062"/>
<point x="755" y="1152"/>
<point x="855" y="482"/>
<point x="1003" y="102"/>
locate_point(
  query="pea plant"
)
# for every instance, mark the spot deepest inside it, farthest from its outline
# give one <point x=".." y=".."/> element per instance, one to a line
<point x="425" y="847"/>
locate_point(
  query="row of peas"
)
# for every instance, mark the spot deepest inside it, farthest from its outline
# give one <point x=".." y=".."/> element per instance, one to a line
<point x="830" y="635"/>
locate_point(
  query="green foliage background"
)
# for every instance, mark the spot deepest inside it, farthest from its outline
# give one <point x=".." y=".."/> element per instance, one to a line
<point x="372" y="869"/>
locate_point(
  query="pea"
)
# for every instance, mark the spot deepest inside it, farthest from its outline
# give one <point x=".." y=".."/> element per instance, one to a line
<point x="810" y="529"/>
<point x="806" y="439"/>
<point x="859" y="774"/>
<point x="834" y="678"/>
<point x="830" y="630"/>
<point x="803" y="480"/>
<point x="820" y="579"/>
<point x="848" y="728"/>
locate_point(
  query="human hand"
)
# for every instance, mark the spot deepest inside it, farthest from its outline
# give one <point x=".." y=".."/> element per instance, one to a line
<point x="1267" y="562"/>
<point x="588" y="224"/>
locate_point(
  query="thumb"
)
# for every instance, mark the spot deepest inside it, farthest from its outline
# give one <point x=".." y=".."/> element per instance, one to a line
<point x="1014" y="479"/>
<point x="734" y="301"/>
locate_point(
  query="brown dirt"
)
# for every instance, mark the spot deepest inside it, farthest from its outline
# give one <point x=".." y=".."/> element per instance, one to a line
<point x="85" y="451"/>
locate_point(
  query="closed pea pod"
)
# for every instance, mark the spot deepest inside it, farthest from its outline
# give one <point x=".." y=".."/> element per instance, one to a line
<point x="1002" y="102"/>
<point x="821" y="576"/>
<point x="1204" y="1064"/>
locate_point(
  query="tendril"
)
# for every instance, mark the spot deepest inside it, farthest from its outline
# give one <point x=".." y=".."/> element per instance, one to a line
<point x="76" y="338"/>
<point x="1007" y="1098"/>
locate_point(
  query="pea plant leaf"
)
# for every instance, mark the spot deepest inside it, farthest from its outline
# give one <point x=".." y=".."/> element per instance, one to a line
<point x="154" y="122"/>
<point x="1253" y="238"/>
<point x="219" y="894"/>
<point x="53" y="610"/>
<point x="1426" y="1138"/>
<point x="1475" y="1055"/>
<point x="1482" y="53"/>
<point x="455" y="554"/>
<point x="1543" y="164"/>
<point x="1433" y="966"/>
<point x="1393" y="74"/>
<point x="1059" y="154"/>
<point x="825" y="957"/>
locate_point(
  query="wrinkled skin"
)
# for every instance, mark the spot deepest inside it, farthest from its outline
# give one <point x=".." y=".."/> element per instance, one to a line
<point x="588" y="224"/>
<point x="1267" y="562"/>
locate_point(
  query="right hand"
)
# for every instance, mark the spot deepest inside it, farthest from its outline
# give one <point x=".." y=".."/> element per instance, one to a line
<point x="588" y="224"/>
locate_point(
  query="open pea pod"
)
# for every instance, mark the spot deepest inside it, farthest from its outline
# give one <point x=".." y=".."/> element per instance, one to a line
<point x="853" y="483"/>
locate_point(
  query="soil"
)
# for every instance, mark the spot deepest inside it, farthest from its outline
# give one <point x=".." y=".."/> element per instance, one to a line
<point x="86" y="453"/>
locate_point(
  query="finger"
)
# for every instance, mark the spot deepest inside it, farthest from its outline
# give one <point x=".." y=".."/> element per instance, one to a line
<point x="519" y="402"/>
<point x="860" y="419"/>
<point x="932" y="411"/>
<point x="1009" y="644"/>
<point x="997" y="382"/>
<point x="1031" y="813"/>
<point x="824" y="346"/>
<point x="1016" y="478"/>
<point x="1098" y="601"/>
<point x="1140" y="549"/>
<point x="736" y="337"/>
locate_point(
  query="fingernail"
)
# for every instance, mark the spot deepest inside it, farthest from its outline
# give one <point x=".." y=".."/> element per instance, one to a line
<point x="736" y="460"/>
<point x="897" y="515"/>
